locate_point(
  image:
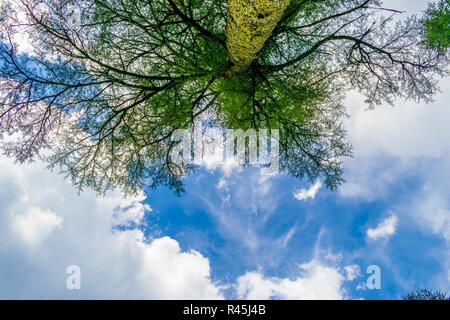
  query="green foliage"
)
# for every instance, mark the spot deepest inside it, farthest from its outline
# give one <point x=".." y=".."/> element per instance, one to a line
<point x="426" y="294"/>
<point x="134" y="71"/>
<point x="437" y="25"/>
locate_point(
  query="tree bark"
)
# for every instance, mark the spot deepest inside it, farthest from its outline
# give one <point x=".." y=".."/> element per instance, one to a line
<point x="249" y="25"/>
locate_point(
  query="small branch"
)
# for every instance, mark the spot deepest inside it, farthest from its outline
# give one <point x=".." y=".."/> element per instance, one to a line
<point x="386" y="9"/>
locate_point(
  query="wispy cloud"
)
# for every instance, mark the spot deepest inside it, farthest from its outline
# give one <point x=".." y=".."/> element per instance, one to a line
<point x="284" y="240"/>
<point x="384" y="230"/>
<point x="305" y="194"/>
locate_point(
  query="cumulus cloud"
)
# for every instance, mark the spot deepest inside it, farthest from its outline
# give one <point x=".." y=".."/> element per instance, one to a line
<point x="83" y="230"/>
<point x="45" y="226"/>
<point x="391" y="143"/>
<point x="405" y="142"/>
<point x="384" y="230"/>
<point x="35" y="225"/>
<point x="310" y="193"/>
<point x="316" y="281"/>
<point x="434" y="214"/>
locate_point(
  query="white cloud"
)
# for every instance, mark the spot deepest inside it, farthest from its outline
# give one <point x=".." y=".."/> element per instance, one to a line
<point x="391" y="143"/>
<point x="406" y="141"/>
<point x="434" y="214"/>
<point x="407" y="130"/>
<point x="310" y="193"/>
<point x="38" y="207"/>
<point x="384" y="230"/>
<point x="352" y="272"/>
<point x="176" y="274"/>
<point x="35" y="225"/>
<point x="284" y="240"/>
<point x="115" y="263"/>
<point x="316" y="281"/>
<point x="431" y="212"/>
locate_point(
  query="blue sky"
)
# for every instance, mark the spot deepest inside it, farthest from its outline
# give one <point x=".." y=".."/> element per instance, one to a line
<point x="238" y="234"/>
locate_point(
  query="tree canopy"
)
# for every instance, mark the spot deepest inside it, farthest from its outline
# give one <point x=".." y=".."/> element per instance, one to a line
<point x="437" y="25"/>
<point x="426" y="294"/>
<point x="109" y="81"/>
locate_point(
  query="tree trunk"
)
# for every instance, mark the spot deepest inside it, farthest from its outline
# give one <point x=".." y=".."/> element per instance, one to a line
<point x="249" y="25"/>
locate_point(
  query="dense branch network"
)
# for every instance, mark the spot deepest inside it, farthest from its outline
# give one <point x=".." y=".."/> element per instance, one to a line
<point x="105" y="92"/>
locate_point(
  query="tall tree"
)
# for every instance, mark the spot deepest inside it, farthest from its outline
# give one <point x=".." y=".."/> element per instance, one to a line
<point x="109" y="81"/>
<point x="249" y="25"/>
